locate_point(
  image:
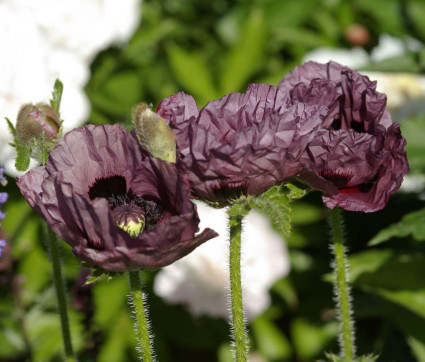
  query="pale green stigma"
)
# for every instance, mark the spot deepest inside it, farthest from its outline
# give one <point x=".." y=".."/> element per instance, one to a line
<point x="130" y="218"/>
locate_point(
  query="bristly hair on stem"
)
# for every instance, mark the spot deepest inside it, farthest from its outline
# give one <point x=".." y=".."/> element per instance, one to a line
<point x="140" y="314"/>
<point x="342" y="291"/>
<point x="240" y="340"/>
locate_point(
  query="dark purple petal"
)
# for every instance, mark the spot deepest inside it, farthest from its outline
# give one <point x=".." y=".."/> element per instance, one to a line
<point x="179" y="110"/>
<point x="94" y="169"/>
<point x="242" y="143"/>
<point x="352" y="98"/>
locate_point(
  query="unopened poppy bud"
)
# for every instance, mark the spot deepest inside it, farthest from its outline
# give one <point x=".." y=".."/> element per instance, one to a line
<point x="154" y="134"/>
<point x="37" y="121"/>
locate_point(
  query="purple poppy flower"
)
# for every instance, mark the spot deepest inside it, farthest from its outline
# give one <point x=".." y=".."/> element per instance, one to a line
<point x="117" y="210"/>
<point x="240" y="144"/>
<point x="358" y="156"/>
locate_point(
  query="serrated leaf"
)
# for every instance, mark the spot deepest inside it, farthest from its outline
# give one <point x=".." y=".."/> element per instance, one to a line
<point x="57" y="95"/>
<point x="11" y="127"/>
<point x="98" y="275"/>
<point x="411" y="224"/>
<point x="23" y="155"/>
<point x="240" y="208"/>
<point x="295" y="192"/>
<point x="275" y="204"/>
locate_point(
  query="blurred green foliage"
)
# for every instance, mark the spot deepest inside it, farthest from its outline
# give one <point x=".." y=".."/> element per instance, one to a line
<point x="207" y="49"/>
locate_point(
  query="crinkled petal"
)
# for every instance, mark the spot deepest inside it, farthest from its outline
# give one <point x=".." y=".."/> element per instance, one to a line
<point x="60" y="193"/>
<point x="357" y="158"/>
<point x="351" y="97"/>
<point x="247" y="141"/>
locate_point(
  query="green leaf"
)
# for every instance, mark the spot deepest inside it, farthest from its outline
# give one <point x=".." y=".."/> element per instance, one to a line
<point x="11" y="127"/>
<point x="418" y="348"/>
<point x="275" y="204"/>
<point x="306" y="213"/>
<point x="310" y="339"/>
<point x="334" y="358"/>
<point x="114" y="293"/>
<point x="404" y="272"/>
<point x="288" y="13"/>
<point x="413" y="130"/>
<point x="97" y="275"/>
<point x="239" y="208"/>
<point x="406" y="310"/>
<point x="192" y="71"/>
<point x="247" y="54"/>
<point x="119" y="92"/>
<point x="224" y="353"/>
<point x="413" y="300"/>
<point x="271" y="342"/>
<point x="295" y="192"/>
<point x="57" y="95"/>
<point x="23" y="149"/>
<point x="368" y="262"/>
<point x="23" y="155"/>
<point x="411" y="224"/>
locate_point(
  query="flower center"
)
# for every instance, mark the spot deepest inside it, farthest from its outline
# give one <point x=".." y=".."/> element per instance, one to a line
<point x="227" y="192"/>
<point x="132" y="213"/>
<point x="130" y="218"/>
<point x="356" y="126"/>
<point x="338" y="177"/>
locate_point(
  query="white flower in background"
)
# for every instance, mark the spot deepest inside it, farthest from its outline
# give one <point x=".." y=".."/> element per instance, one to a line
<point x="47" y="39"/>
<point x="354" y="58"/>
<point x="200" y="280"/>
<point x="389" y="47"/>
<point x="413" y="183"/>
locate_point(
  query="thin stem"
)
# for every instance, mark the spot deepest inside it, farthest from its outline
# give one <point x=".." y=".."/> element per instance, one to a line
<point x="60" y="292"/>
<point x="141" y="323"/>
<point x="239" y="334"/>
<point x="341" y="288"/>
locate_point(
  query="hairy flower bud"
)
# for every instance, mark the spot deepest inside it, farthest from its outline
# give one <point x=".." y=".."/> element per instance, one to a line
<point x="38" y="121"/>
<point x="154" y="134"/>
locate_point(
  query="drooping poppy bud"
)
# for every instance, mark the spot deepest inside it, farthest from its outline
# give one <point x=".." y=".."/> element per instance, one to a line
<point x="154" y="134"/>
<point x="40" y="122"/>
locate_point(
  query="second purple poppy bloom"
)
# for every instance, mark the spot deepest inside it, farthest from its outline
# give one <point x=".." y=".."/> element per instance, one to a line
<point x="357" y="157"/>
<point x="117" y="210"/>
<point x="241" y="144"/>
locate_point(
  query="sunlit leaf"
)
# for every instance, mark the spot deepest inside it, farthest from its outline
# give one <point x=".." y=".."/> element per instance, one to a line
<point x="271" y="342"/>
<point x="411" y="224"/>
<point x="246" y="55"/>
<point x="193" y="72"/>
<point x="311" y="339"/>
<point x="57" y="95"/>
